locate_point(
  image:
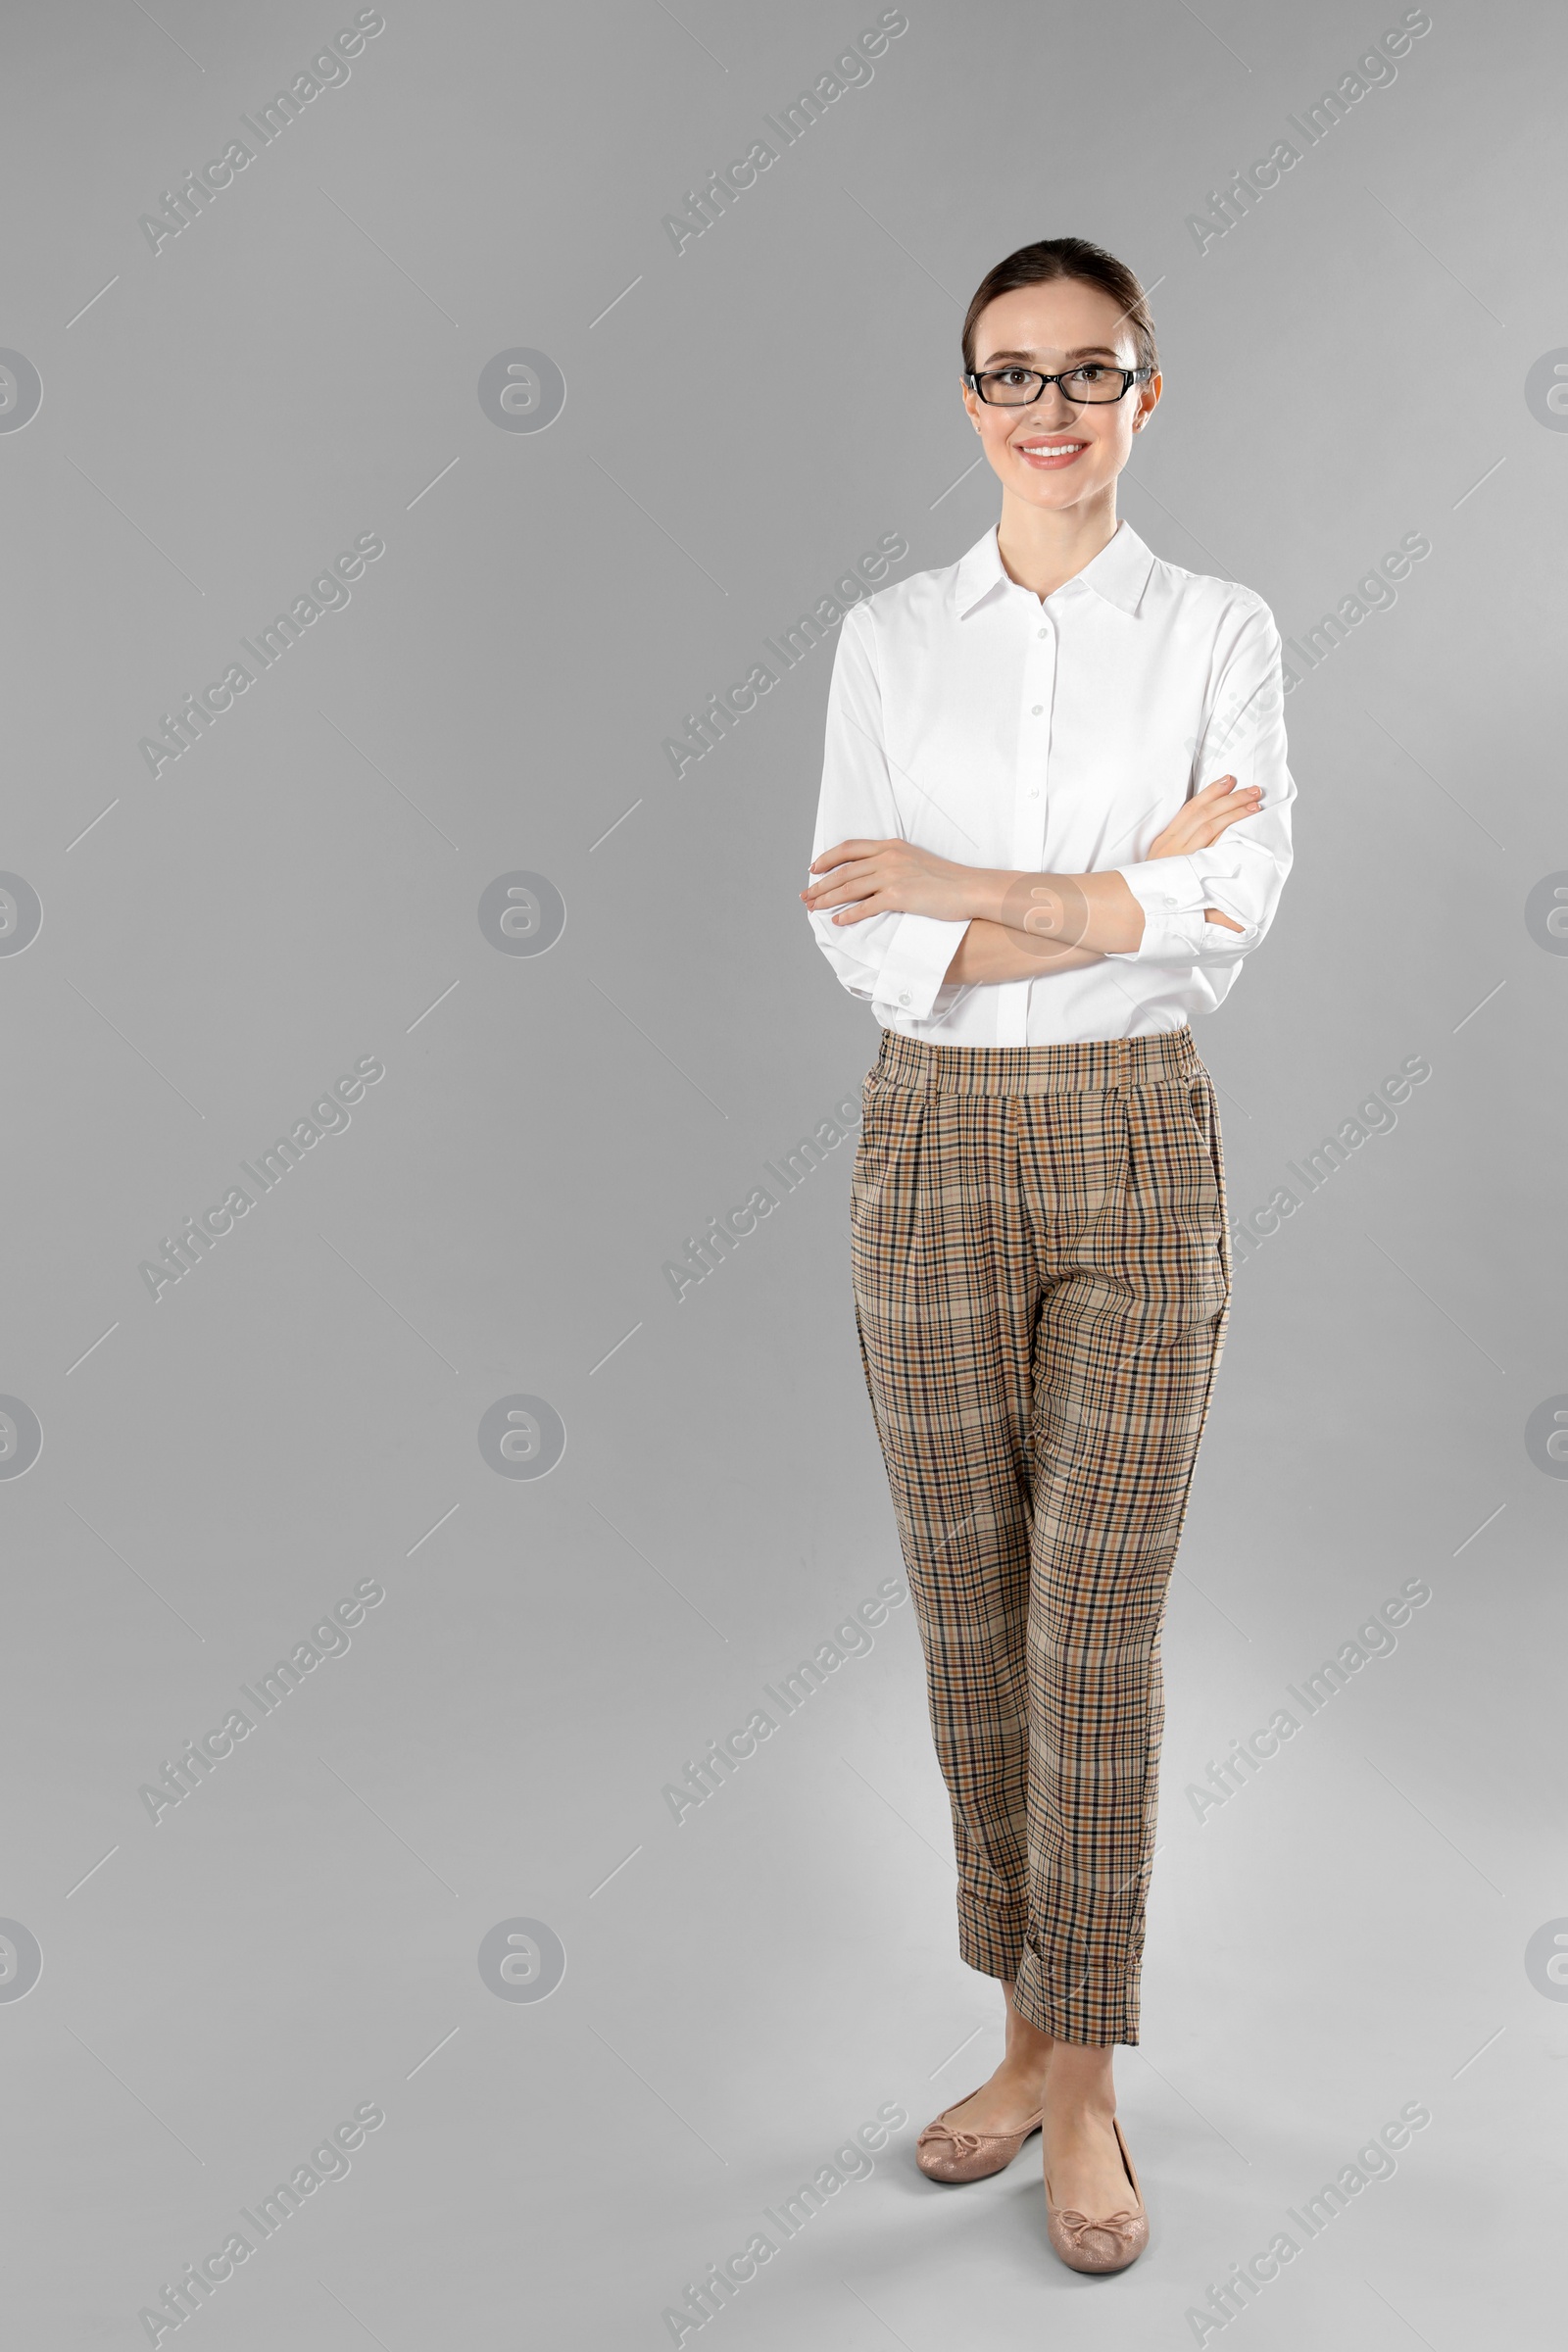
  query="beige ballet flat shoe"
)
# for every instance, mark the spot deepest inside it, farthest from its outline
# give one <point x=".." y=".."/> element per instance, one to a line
<point x="944" y="2154"/>
<point x="1109" y="2242"/>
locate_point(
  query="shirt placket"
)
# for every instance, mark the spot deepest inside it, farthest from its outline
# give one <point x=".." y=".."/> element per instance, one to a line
<point x="1037" y="694"/>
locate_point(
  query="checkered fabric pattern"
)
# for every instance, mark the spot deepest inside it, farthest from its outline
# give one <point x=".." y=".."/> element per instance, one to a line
<point x="1042" y="1280"/>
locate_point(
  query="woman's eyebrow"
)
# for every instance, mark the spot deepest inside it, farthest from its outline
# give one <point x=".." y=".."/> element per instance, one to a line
<point x="1088" y="351"/>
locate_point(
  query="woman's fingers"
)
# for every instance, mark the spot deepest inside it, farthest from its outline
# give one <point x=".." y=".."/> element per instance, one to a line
<point x="1230" y="811"/>
<point x="839" y="863"/>
<point x="838" y="894"/>
<point x="846" y="881"/>
<point x="844" y="849"/>
<point x="861" y="878"/>
<point x="1199" y="823"/>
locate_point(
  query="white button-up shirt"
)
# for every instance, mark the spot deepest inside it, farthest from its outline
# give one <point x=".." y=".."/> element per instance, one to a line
<point x="1057" y="736"/>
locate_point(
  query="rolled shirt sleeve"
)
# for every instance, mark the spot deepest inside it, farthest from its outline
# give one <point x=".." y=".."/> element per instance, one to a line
<point x="1243" y="872"/>
<point x="898" y="961"/>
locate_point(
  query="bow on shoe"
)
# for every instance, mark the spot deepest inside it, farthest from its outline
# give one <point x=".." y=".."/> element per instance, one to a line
<point x="1120" y="2228"/>
<point x="964" y="2143"/>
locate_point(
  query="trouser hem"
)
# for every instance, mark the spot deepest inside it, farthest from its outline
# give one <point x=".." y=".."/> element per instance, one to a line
<point x="991" y="1941"/>
<point x="1061" y="1998"/>
<point x="1056" y="1997"/>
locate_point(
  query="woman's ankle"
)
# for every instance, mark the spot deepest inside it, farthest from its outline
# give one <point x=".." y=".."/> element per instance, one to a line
<point x="1025" y="2065"/>
<point x="1022" y="2035"/>
<point x="1082" y="2081"/>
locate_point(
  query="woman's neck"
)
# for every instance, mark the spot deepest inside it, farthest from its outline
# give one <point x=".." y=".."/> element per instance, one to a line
<point x="1042" y="548"/>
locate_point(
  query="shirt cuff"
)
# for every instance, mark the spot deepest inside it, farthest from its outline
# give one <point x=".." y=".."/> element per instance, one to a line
<point x="916" y="967"/>
<point x="1173" y="894"/>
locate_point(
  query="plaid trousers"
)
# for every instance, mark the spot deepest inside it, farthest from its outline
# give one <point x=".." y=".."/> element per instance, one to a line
<point x="1042" y="1280"/>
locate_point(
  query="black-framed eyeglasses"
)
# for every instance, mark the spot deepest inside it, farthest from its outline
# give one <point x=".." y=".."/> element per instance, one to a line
<point x="1020" y="387"/>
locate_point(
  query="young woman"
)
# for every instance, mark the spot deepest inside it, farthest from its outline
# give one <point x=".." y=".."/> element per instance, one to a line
<point x="1019" y="865"/>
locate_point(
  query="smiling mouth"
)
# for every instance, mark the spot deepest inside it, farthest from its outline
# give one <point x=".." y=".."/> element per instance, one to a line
<point x="1050" y="452"/>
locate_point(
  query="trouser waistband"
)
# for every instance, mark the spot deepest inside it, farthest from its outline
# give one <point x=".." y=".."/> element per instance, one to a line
<point x="1111" y="1064"/>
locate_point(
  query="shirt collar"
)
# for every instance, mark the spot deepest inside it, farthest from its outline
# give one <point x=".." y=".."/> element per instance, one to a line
<point x="1118" y="573"/>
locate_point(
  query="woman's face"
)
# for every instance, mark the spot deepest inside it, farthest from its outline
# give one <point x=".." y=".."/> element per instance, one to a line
<point x="1058" y="453"/>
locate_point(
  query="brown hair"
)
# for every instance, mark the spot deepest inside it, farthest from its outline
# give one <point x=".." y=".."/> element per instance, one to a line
<point x="1065" y="257"/>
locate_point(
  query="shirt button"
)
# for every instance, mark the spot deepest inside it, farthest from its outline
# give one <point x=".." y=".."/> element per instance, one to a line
<point x="1163" y="903"/>
<point x="1039" y="706"/>
<point x="1033" y="792"/>
<point x="904" y="999"/>
<point x="1043" y="632"/>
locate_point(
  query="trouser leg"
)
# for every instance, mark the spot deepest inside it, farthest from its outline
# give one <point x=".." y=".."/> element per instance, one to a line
<point x="1127" y="1344"/>
<point x="945" y="1295"/>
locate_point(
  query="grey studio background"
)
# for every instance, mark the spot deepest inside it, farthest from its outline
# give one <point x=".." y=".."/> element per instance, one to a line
<point x="581" y="1527"/>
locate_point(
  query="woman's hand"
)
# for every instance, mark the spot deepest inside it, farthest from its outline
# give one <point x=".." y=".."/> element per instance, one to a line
<point x="891" y="877"/>
<point x="1198" y="823"/>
